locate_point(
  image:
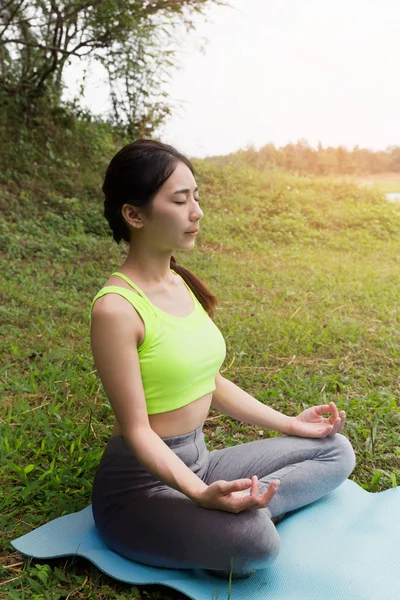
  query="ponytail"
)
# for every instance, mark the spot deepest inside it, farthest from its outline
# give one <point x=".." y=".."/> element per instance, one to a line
<point x="204" y="295"/>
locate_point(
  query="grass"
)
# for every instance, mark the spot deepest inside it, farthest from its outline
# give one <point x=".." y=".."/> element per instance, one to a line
<point x="307" y="272"/>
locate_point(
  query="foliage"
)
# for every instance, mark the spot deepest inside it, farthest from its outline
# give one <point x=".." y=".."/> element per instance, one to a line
<point x="63" y="156"/>
<point x="307" y="274"/>
<point x="133" y="39"/>
<point x="302" y="158"/>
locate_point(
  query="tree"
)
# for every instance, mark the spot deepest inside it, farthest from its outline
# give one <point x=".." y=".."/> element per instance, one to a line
<point x="133" y="39"/>
<point x="394" y="159"/>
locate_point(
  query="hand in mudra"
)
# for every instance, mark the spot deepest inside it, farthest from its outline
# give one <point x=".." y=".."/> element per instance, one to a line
<point x="237" y="496"/>
<point x="311" y="423"/>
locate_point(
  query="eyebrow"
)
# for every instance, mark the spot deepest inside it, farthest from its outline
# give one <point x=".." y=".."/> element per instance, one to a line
<point x="186" y="191"/>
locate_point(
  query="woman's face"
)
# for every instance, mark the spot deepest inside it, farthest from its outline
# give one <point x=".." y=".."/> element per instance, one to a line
<point x="174" y="212"/>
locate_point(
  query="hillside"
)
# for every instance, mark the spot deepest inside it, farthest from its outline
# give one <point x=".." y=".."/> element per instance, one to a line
<point x="307" y="273"/>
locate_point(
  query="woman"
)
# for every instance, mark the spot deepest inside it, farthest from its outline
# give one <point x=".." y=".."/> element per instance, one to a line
<point x="159" y="496"/>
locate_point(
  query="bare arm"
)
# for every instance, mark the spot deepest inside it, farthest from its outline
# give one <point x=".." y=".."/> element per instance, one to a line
<point x="231" y="400"/>
<point x="115" y="333"/>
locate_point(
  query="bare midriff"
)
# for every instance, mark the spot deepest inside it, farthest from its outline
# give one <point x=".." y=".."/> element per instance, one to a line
<point x="179" y="421"/>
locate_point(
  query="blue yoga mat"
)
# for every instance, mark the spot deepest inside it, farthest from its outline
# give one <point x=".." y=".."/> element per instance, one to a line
<point x="345" y="546"/>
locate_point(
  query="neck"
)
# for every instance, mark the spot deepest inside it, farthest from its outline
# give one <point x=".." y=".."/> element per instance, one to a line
<point x="147" y="266"/>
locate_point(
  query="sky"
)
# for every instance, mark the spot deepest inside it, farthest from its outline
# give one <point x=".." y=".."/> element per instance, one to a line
<point x="264" y="71"/>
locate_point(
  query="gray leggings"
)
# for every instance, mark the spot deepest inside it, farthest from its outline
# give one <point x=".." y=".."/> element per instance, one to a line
<point x="150" y="522"/>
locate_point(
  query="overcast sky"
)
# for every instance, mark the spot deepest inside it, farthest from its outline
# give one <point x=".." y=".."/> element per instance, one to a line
<point x="280" y="70"/>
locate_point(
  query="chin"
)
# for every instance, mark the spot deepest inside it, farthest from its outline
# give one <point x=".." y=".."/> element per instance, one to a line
<point x="187" y="245"/>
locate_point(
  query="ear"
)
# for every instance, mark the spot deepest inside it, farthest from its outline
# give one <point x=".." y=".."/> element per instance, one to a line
<point x="132" y="215"/>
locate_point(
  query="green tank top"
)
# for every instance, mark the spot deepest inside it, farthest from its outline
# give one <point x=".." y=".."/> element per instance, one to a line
<point x="179" y="357"/>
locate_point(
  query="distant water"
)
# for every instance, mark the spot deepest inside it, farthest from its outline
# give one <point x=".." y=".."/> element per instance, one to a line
<point x="393" y="197"/>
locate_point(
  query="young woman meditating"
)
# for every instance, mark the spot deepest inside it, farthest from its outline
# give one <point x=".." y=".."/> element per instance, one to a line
<point x="160" y="497"/>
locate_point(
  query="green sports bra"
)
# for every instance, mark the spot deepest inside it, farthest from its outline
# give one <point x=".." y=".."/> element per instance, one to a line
<point x="179" y="357"/>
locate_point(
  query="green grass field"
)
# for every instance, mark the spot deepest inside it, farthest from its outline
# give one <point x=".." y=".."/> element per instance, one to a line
<point x="307" y="272"/>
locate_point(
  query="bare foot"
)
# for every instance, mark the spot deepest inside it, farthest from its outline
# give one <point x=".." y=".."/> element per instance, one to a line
<point x="278" y="519"/>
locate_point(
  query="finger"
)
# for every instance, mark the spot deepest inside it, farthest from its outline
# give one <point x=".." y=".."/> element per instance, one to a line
<point x="250" y="503"/>
<point x="321" y="409"/>
<point x="255" y="488"/>
<point x="270" y="492"/>
<point x="237" y="485"/>
<point x="321" y="430"/>
<point x="338" y="425"/>
<point x="334" y="411"/>
<point x="259" y="501"/>
<point x="335" y="426"/>
<point x="326" y="431"/>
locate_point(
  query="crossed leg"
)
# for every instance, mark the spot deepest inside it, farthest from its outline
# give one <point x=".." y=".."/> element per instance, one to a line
<point x="162" y="527"/>
<point x="307" y="468"/>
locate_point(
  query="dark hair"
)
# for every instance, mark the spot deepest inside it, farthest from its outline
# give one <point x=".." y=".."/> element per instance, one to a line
<point x="134" y="176"/>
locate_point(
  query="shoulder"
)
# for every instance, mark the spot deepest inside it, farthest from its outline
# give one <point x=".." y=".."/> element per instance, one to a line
<point x="114" y="312"/>
<point x="111" y="306"/>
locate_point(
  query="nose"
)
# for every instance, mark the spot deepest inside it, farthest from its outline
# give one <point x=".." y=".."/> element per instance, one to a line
<point x="197" y="213"/>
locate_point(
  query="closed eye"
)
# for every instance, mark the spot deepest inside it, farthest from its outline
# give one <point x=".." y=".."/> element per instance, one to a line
<point x="184" y="201"/>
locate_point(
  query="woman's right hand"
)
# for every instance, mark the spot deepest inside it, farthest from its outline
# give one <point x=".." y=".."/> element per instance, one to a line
<point x="236" y="496"/>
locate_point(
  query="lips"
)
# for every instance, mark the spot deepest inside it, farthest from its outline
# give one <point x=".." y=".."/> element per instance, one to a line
<point x="192" y="231"/>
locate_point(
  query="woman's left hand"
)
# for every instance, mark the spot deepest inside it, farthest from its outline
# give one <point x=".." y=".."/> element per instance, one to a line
<point x="310" y="423"/>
